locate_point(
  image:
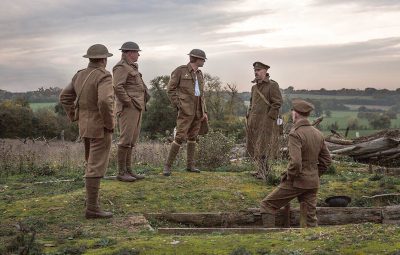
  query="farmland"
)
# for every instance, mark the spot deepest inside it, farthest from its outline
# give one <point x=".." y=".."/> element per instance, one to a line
<point x="36" y="106"/>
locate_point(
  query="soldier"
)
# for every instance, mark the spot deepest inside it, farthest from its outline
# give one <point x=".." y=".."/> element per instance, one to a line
<point x="309" y="158"/>
<point x="262" y="130"/>
<point x="132" y="96"/>
<point x="186" y="92"/>
<point x="89" y="99"/>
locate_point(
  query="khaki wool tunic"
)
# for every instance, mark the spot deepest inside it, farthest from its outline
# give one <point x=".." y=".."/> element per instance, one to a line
<point x="131" y="98"/>
<point x="96" y="114"/>
<point x="261" y="121"/>
<point x="191" y="108"/>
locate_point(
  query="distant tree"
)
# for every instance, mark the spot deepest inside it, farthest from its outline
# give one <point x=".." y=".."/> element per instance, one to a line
<point x="380" y="122"/>
<point x="214" y="97"/>
<point x="353" y="123"/>
<point x="289" y="90"/>
<point x="328" y="113"/>
<point x="362" y="109"/>
<point x="160" y="115"/>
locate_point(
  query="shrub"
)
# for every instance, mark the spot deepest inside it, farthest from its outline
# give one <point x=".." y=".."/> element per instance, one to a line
<point x="214" y="149"/>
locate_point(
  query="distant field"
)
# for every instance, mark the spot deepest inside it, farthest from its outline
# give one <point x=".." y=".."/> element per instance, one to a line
<point x="354" y="107"/>
<point x="36" y="106"/>
<point x="343" y="117"/>
<point x="312" y="96"/>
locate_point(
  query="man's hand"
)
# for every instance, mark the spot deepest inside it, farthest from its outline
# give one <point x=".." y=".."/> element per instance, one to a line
<point x="284" y="176"/>
<point x="106" y="130"/>
<point x="205" y="117"/>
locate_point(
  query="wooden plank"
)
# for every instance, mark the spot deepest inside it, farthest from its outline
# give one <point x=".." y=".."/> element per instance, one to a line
<point x="326" y="216"/>
<point x="184" y="231"/>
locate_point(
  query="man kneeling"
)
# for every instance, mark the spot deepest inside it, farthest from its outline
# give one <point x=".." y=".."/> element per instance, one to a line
<point x="309" y="158"/>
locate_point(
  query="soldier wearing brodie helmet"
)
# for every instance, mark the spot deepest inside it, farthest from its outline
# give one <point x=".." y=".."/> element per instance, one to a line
<point x="131" y="96"/>
<point x="89" y="99"/>
<point x="186" y="92"/>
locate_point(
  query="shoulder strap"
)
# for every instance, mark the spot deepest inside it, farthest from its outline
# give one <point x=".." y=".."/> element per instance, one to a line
<point x="262" y="96"/>
<point x="83" y="86"/>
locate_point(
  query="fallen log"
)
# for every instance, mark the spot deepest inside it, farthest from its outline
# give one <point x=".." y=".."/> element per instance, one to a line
<point x="379" y="144"/>
<point x="380" y="153"/>
<point x="254" y="230"/>
<point x="252" y="217"/>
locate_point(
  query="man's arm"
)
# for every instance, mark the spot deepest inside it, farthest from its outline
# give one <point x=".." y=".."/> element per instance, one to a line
<point x="324" y="159"/>
<point x="295" y="163"/>
<point x="275" y="100"/>
<point x="106" y="101"/>
<point x="67" y="100"/>
<point x="120" y="76"/>
<point x="172" y="88"/>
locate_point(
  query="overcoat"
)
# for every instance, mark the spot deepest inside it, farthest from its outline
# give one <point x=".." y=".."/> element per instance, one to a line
<point x="262" y="129"/>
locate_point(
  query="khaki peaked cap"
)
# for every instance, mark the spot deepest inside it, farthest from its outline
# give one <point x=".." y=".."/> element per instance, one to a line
<point x="302" y="106"/>
<point x="259" y="65"/>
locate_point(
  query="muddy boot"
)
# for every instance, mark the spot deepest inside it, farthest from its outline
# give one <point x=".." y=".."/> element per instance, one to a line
<point x="171" y="158"/>
<point x="129" y="165"/>
<point x="268" y="220"/>
<point x="191" y="149"/>
<point x="122" y="173"/>
<point x="93" y="210"/>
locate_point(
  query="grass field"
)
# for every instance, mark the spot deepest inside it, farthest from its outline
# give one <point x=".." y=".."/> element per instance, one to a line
<point x="343" y="117"/>
<point x="36" y="106"/>
<point x="55" y="210"/>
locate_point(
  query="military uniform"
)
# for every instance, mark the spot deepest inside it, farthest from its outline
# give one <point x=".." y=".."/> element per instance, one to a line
<point x="131" y="98"/>
<point x="89" y="98"/>
<point x="191" y="109"/>
<point x="262" y="130"/>
<point x="309" y="158"/>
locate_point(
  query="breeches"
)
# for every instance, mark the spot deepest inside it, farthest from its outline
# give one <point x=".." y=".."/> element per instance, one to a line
<point x="129" y="121"/>
<point x="97" y="153"/>
<point x="282" y="196"/>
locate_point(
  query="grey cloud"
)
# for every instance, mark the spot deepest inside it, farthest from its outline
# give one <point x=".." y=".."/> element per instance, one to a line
<point x="364" y="5"/>
<point x="355" y="65"/>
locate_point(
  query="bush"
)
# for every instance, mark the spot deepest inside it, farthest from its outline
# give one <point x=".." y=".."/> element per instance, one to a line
<point x="214" y="149"/>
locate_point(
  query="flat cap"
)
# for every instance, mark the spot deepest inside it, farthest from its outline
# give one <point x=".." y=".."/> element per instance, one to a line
<point x="302" y="106"/>
<point x="259" y="65"/>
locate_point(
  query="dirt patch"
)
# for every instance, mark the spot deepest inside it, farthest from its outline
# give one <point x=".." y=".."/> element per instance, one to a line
<point x="133" y="223"/>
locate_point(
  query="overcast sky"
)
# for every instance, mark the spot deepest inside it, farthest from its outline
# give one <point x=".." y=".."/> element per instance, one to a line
<point x="309" y="44"/>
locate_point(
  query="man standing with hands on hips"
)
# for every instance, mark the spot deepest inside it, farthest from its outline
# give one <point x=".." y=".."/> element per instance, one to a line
<point x="131" y="96"/>
<point x="186" y="92"/>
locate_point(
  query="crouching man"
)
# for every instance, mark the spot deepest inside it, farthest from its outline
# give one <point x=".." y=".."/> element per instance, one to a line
<point x="309" y="158"/>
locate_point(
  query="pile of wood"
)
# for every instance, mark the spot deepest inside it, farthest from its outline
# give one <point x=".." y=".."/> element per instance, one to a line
<point x="382" y="148"/>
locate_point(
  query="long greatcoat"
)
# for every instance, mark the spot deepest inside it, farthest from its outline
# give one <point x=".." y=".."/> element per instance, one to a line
<point x="262" y="129"/>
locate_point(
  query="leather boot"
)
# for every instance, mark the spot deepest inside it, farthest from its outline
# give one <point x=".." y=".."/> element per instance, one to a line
<point x="93" y="210"/>
<point x="268" y="220"/>
<point x="191" y="149"/>
<point x="129" y="165"/>
<point x="171" y="158"/>
<point x="122" y="173"/>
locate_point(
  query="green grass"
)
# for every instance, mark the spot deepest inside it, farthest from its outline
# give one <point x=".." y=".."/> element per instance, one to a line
<point x="55" y="211"/>
<point x="36" y="106"/>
